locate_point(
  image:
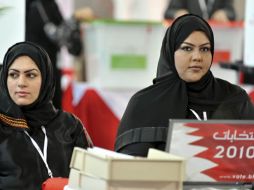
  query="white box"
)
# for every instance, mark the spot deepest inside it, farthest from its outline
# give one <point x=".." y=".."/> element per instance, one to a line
<point x="108" y="170"/>
<point x="110" y="167"/>
<point x="122" y="54"/>
<point x="139" y="10"/>
<point x="87" y="182"/>
<point x="228" y="37"/>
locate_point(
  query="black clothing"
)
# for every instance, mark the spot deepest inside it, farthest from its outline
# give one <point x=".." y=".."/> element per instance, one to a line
<point x="21" y="166"/>
<point x="194" y="7"/>
<point x="35" y="23"/>
<point x="145" y="121"/>
<point x="35" y="33"/>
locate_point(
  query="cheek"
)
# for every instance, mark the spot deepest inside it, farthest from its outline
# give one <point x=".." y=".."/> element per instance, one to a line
<point x="208" y="62"/>
<point x="37" y="87"/>
<point x="180" y="63"/>
<point x="10" y="86"/>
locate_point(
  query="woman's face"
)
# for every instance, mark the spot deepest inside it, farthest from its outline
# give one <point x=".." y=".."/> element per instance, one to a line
<point x="193" y="58"/>
<point x="24" y="81"/>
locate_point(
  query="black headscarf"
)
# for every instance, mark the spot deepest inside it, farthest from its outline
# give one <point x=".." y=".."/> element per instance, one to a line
<point x="42" y="110"/>
<point x="147" y="114"/>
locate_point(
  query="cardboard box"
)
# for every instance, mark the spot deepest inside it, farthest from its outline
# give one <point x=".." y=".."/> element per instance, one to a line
<point x="87" y="182"/>
<point x="108" y="170"/>
<point x="122" y="54"/>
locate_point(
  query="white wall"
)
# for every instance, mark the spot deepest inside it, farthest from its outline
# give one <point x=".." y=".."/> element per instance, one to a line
<point x="12" y="24"/>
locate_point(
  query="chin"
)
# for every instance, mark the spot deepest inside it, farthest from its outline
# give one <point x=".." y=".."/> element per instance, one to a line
<point x="22" y="103"/>
<point x="192" y="80"/>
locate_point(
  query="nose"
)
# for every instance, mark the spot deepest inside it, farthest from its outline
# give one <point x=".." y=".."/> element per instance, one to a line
<point x="22" y="81"/>
<point x="196" y="56"/>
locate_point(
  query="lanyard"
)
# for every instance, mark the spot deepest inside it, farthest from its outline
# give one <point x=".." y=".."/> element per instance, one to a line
<point x="197" y="116"/>
<point x="45" y="147"/>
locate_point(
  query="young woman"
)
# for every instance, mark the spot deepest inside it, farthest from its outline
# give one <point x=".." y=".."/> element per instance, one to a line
<point x="184" y="88"/>
<point x="36" y="140"/>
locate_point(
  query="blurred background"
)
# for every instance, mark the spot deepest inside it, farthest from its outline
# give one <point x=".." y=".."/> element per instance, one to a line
<point x="106" y="50"/>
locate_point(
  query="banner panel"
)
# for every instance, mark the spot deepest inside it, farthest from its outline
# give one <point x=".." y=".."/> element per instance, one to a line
<point x="215" y="152"/>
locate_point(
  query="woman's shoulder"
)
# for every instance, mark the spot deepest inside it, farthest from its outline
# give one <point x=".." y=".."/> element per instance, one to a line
<point x="233" y="92"/>
<point x="226" y="85"/>
<point x="8" y="130"/>
<point x="158" y="86"/>
<point x="66" y="117"/>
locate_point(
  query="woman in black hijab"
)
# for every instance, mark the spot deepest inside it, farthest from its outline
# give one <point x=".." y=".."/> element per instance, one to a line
<point x="36" y="140"/>
<point x="184" y="88"/>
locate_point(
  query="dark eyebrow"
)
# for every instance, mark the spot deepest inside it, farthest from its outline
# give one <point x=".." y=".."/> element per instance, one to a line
<point x="207" y="43"/>
<point x="27" y="71"/>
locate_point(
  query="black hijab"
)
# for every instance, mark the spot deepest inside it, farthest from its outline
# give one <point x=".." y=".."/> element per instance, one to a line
<point x="42" y="110"/>
<point x="147" y="114"/>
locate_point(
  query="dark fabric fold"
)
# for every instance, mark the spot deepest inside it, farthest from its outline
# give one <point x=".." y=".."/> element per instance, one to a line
<point x="144" y="134"/>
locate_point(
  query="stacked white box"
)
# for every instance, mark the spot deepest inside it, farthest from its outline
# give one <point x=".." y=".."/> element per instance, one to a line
<point x="100" y="171"/>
